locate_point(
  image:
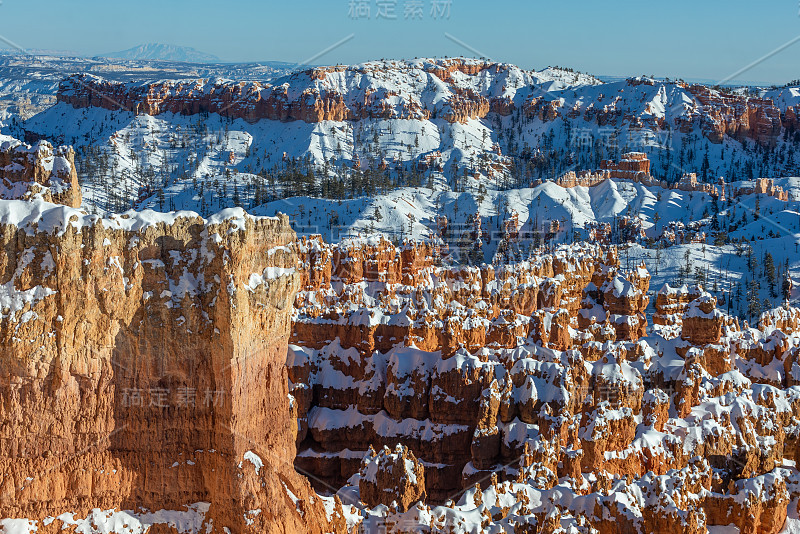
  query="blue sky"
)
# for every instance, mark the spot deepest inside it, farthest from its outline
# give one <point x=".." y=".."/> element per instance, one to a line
<point x="698" y="39"/>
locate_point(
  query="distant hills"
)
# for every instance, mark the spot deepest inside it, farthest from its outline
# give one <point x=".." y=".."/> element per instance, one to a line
<point x="164" y="52"/>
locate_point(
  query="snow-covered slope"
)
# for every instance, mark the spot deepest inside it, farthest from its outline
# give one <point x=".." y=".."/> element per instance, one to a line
<point x="784" y="96"/>
<point x="29" y="81"/>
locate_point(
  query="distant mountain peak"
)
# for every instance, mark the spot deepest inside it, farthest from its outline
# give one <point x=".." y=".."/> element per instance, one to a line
<point x="164" y="52"/>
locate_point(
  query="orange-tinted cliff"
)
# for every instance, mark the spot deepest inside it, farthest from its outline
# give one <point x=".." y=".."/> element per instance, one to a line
<point x="143" y="367"/>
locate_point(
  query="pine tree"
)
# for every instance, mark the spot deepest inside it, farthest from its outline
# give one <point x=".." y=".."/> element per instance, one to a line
<point x="751" y="260"/>
<point x="704" y="167"/>
<point x="769" y="273"/>
<point x="699" y="276"/>
<point x="753" y="301"/>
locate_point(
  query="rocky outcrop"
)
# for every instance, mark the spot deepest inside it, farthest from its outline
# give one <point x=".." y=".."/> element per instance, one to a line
<point x="454" y="89"/>
<point x="737" y="116"/>
<point x="764" y="186"/>
<point x="703" y="450"/>
<point x="392" y="478"/>
<point x="624" y="300"/>
<point x="717" y="114"/>
<point x="311" y="96"/>
<point x="632" y="166"/>
<point x="38" y="172"/>
<point x="792" y="117"/>
<point x="443" y="308"/>
<point x="635" y="167"/>
<point x="556" y="392"/>
<point x="143" y="367"/>
<point x="386" y="345"/>
<point x="785" y="318"/>
<point x="142" y="362"/>
<point x="702" y="322"/>
<point x="582" y="178"/>
<point x="671" y="304"/>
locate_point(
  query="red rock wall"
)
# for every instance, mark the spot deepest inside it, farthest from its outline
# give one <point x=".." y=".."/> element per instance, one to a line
<point x="254" y="101"/>
<point x="738" y="116"/>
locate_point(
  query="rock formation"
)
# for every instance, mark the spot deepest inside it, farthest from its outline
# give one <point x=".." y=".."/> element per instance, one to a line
<point x="764" y="186"/>
<point x="671" y="304"/>
<point x="570" y="393"/>
<point x="143" y="357"/>
<point x="315" y="96"/>
<point x="143" y="367"/>
<point x="436" y="385"/>
<point x="635" y="167"/>
<point x="38" y="172"/>
<point x="737" y="116"/>
<point x="470" y="89"/>
<point x="393" y="478"/>
<point x="632" y="166"/>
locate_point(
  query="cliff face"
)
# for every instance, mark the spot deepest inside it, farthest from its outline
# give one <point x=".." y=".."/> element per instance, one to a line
<point x="142" y="365"/>
<point x="738" y="116"/>
<point x="325" y="93"/>
<point x="447" y="308"/>
<point x="313" y="96"/>
<point x="463" y="90"/>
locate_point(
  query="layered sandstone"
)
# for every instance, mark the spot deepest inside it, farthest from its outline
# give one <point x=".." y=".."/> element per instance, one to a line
<point x="717" y="463"/>
<point x="671" y="303"/>
<point x="562" y="415"/>
<point x="313" y="95"/>
<point x="632" y="166"/>
<point x="635" y="167"/>
<point x="409" y="299"/>
<point x="389" y="347"/>
<point x="737" y="116"/>
<point x="764" y="186"/>
<point x="465" y="90"/>
<point x="143" y="367"/>
<point x="392" y="478"/>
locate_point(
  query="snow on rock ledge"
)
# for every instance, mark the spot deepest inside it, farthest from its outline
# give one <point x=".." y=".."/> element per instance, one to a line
<point x="392" y="478"/>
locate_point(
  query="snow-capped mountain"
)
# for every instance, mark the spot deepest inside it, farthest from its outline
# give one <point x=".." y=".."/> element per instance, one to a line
<point x="164" y="52"/>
